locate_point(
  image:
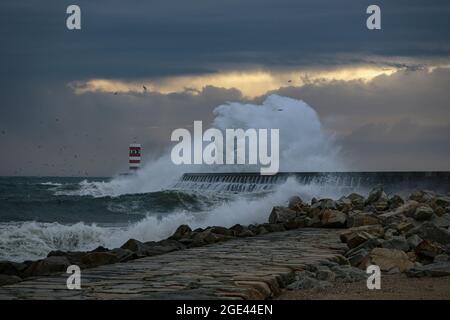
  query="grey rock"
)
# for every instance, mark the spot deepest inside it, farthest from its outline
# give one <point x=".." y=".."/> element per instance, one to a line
<point x="333" y="219"/>
<point x="395" y="201"/>
<point x="439" y="269"/>
<point x="12" y="268"/>
<point x="306" y="282"/>
<point x="441" y="258"/>
<point x="325" y="204"/>
<point x="325" y="274"/>
<point x="368" y="245"/>
<point x="281" y="215"/>
<point x="95" y="259"/>
<point x="358" y="257"/>
<point x="414" y="241"/>
<point x="47" y="266"/>
<point x="374" y="195"/>
<point x="8" y="279"/>
<point x="443" y="201"/>
<point x="429" y="231"/>
<point x="349" y="273"/>
<point x="182" y="231"/>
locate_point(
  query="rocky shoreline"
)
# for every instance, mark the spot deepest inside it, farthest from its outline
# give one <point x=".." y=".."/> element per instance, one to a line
<point x="410" y="236"/>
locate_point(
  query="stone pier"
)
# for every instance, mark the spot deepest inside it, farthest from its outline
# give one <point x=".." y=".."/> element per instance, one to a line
<point x="244" y="268"/>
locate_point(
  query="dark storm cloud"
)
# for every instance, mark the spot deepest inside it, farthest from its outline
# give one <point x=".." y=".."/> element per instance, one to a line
<point x="124" y="39"/>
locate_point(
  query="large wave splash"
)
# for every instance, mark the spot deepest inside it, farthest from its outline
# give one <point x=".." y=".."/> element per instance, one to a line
<point x="304" y="146"/>
<point x="34" y="240"/>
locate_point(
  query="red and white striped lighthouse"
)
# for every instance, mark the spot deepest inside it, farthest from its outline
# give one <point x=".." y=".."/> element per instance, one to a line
<point x="134" y="156"/>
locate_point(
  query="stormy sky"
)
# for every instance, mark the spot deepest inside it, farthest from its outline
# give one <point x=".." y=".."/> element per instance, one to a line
<point x="384" y="93"/>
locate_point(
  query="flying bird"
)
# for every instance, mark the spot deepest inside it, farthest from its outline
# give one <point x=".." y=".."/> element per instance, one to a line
<point x="289" y="81"/>
<point x="145" y="88"/>
<point x="115" y="93"/>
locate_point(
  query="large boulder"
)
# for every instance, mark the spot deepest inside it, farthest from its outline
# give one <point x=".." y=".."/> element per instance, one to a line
<point x="428" y="250"/>
<point x="375" y="231"/>
<point x="296" y="204"/>
<point x="430" y="231"/>
<point x="357" y="201"/>
<point x="333" y="219"/>
<point x="47" y="266"/>
<point x="398" y="243"/>
<point x="8" y="279"/>
<point x="395" y="201"/>
<point x="281" y="215"/>
<point x="95" y="259"/>
<point x="222" y="231"/>
<point x="12" y="268"/>
<point x="423" y="212"/>
<point x="443" y="201"/>
<point x="390" y="260"/>
<point x="439" y="269"/>
<point x="375" y="195"/>
<point x="183" y="231"/>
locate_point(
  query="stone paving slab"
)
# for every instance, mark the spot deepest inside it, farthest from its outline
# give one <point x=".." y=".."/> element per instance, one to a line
<point x="244" y="268"/>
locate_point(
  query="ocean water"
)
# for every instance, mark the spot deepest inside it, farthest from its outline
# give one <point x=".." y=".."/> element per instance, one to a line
<point x="38" y="215"/>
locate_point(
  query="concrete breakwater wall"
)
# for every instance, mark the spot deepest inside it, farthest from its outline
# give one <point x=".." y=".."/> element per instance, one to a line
<point x="392" y="181"/>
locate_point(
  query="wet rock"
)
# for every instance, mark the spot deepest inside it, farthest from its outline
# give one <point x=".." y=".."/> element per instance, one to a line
<point x="395" y="202"/>
<point x="324" y="273"/>
<point x="100" y="249"/>
<point x="376" y="231"/>
<point x="442" y="221"/>
<point x="47" y="266"/>
<point x="74" y="257"/>
<point x="423" y="196"/>
<point x="367" y="245"/>
<point x="183" y="231"/>
<point x="428" y="250"/>
<point x="414" y="241"/>
<point x="246" y="233"/>
<point x="357" y="238"/>
<point x="124" y="255"/>
<point x="95" y="259"/>
<point x="325" y="204"/>
<point x="389" y="259"/>
<point x="281" y="215"/>
<point x="441" y="258"/>
<point x="429" y="231"/>
<point x="8" y="279"/>
<point x="374" y="195"/>
<point x="362" y="219"/>
<point x="443" y="201"/>
<point x="135" y="246"/>
<point x="308" y="282"/>
<point x="423" y="213"/>
<point x="344" y="204"/>
<point x="12" y="268"/>
<point x="298" y="222"/>
<point x="358" y="257"/>
<point x="261" y="230"/>
<point x="398" y="243"/>
<point x="296" y="204"/>
<point x="237" y="228"/>
<point x="333" y="219"/>
<point x="357" y="201"/>
<point x="439" y="269"/>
